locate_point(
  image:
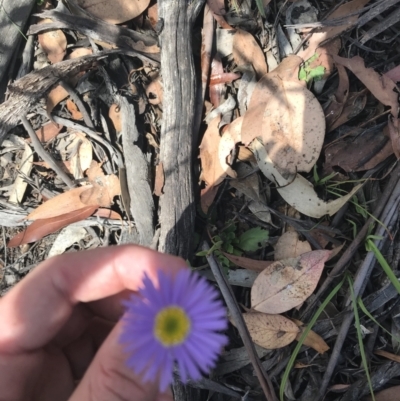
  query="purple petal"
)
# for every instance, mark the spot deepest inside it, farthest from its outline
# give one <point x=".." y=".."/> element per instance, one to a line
<point x="166" y="372"/>
<point x="188" y="365"/>
<point x="212" y="325"/>
<point x="180" y="285"/>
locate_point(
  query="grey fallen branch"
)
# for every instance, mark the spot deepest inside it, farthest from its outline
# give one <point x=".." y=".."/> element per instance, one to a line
<point x="44" y="155"/>
<point x="30" y="89"/>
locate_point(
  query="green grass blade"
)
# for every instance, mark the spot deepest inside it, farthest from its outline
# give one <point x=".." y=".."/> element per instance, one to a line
<point x="302" y="338"/>
<point x="385" y="266"/>
<point x="366" y="312"/>
<point x="260" y="7"/>
<point x="360" y="339"/>
<point x="16" y="26"/>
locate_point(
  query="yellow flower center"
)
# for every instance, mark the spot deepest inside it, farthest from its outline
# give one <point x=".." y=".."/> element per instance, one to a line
<point x="171" y="326"/>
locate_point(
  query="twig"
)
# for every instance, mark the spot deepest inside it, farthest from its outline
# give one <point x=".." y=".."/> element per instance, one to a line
<point x="44" y="155"/>
<point x="234" y="310"/>
<point x="77" y="100"/>
<point x="93" y="135"/>
<point x="360" y="282"/>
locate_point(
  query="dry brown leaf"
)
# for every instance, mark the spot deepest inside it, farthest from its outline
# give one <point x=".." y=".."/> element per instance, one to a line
<point x="339" y="388"/>
<point x="155" y="92"/>
<point x="270" y="331"/>
<point x="230" y="137"/>
<point x="292" y="140"/>
<point x="58" y="93"/>
<point x="293" y="128"/>
<point x="325" y="57"/>
<point x="152" y="13"/>
<point x="246" y="51"/>
<point x="388" y="355"/>
<point x="55" y="96"/>
<point x="287" y="283"/>
<point x="389" y="394"/>
<point x="380" y="86"/>
<point x="53" y="43"/>
<point x="99" y="194"/>
<point x="247" y="263"/>
<point x="114" y="12"/>
<point x="358" y="153"/>
<point x="104" y="187"/>
<point x="115" y="116"/>
<point x="394" y="74"/>
<point x="64" y="203"/>
<point x="353" y="106"/>
<point x="290" y="246"/>
<point x="288" y="69"/>
<point x="73" y="109"/>
<point x="159" y="180"/>
<point x="212" y="172"/>
<point x="48" y="131"/>
<point x="217" y="7"/>
<point x="42" y="227"/>
<point x="312" y="340"/>
<point x="335" y="108"/>
<point x="207" y="196"/>
<point x="322" y="34"/>
<point x="394" y="133"/>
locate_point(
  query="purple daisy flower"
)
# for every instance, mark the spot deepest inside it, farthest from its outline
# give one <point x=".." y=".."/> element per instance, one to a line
<point x="177" y="322"/>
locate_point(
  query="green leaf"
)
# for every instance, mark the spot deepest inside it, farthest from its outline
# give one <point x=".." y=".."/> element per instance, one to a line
<point x="317" y="73"/>
<point x="229" y="248"/>
<point x="253" y="239"/>
<point x="302" y="74"/>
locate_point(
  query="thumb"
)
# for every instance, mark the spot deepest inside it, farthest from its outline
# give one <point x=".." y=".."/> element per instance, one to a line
<point x="108" y="378"/>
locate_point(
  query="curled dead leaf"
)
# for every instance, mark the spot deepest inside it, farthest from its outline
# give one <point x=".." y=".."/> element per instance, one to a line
<point x="380" y="86"/>
<point x="297" y="191"/>
<point x="312" y="340"/>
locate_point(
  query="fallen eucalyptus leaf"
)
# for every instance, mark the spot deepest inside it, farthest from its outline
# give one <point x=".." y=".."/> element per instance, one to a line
<point x="270" y="331"/>
<point x="287" y="283"/>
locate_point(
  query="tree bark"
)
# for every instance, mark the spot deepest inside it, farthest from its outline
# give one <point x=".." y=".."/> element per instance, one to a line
<point x="177" y="210"/>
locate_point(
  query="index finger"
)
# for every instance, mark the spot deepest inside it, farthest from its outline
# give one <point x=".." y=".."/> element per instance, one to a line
<point x="35" y="309"/>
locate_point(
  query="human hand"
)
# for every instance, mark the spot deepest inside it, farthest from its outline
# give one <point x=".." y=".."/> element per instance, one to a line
<point x="58" y="327"/>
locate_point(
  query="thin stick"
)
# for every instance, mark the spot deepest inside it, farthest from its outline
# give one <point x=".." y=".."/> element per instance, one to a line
<point x="44" y="155"/>
<point x="234" y="310"/>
